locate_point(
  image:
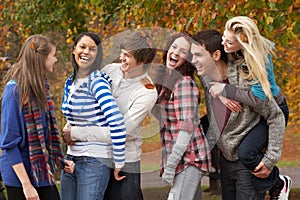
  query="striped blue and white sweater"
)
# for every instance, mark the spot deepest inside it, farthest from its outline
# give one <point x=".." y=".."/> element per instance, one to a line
<point x="89" y="102"/>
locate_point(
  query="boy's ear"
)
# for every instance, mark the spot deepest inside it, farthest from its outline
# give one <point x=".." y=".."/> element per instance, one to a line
<point x="141" y="63"/>
<point x="217" y="55"/>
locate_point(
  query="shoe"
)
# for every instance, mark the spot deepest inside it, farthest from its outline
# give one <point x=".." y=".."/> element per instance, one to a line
<point x="281" y="189"/>
<point x="284" y="194"/>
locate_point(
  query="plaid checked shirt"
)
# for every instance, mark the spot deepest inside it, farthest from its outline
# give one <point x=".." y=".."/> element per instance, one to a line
<point x="181" y="113"/>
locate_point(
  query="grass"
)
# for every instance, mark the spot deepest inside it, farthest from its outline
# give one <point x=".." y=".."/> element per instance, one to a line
<point x="149" y="167"/>
<point x="292" y="163"/>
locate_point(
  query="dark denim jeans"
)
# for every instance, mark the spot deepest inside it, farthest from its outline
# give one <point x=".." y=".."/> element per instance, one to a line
<point x="237" y="182"/>
<point x="89" y="180"/>
<point x="128" y="188"/>
<point x="45" y="193"/>
<point x="250" y="154"/>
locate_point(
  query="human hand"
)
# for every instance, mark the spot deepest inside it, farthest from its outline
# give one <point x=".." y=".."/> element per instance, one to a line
<point x="161" y="171"/>
<point x="117" y="176"/>
<point x="67" y="135"/>
<point x="261" y="171"/>
<point x="30" y="192"/>
<point x="231" y="104"/>
<point x="69" y="167"/>
<point x="216" y="88"/>
<point x="168" y="176"/>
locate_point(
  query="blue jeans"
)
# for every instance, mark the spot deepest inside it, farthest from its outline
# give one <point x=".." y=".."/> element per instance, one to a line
<point x="237" y="182"/>
<point x="89" y="180"/>
<point x="128" y="188"/>
<point x="250" y="154"/>
<point x="187" y="185"/>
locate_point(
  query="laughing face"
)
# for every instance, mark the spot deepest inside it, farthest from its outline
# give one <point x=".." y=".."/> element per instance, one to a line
<point x="203" y="61"/>
<point x="128" y="61"/>
<point x="85" y="53"/>
<point x="230" y="42"/>
<point x="177" y="53"/>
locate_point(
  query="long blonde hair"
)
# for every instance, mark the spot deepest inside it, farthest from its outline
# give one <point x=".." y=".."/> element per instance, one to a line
<point x="255" y="48"/>
<point x="29" y="70"/>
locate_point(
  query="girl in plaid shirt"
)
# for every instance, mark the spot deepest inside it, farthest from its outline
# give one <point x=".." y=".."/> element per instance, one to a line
<point x="185" y="154"/>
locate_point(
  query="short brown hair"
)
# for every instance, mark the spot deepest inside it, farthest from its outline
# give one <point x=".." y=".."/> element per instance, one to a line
<point x="140" y="45"/>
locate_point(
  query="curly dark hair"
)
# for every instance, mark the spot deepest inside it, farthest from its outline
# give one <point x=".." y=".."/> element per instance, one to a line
<point x="185" y="69"/>
<point x="97" y="63"/>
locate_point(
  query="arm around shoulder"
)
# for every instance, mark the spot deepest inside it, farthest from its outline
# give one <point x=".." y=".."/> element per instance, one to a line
<point x="243" y="96"/>
<point x="141" y="105"/>
<point x="91" y="134"/>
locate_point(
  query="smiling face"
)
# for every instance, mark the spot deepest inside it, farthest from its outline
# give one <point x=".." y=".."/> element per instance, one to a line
<point x="85" y="53"/>
<point x="230" y="42"/>
<point x="51" y="59"/>
<point x="177" y="53"/>
<point x="128" y="61"/>
<point x="203" y="61"/>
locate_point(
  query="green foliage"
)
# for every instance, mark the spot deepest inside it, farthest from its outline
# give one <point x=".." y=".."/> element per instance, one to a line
<point x="278" y="20"/>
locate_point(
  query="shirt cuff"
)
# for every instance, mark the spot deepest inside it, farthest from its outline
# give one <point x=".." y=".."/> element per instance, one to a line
<point x="14" y="156"/>
<point x="187" y="126"/>
<point x="229" y="91"/>
<point x="119" y="165"/>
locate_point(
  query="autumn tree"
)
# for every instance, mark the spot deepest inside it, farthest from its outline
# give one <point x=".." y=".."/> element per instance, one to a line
<point x="278" y="20"/>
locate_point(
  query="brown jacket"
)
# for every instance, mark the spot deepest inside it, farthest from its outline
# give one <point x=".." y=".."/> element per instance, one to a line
<point x="239" y="124"/>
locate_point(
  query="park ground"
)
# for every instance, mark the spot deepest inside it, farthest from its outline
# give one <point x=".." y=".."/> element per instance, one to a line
<point x="290" y="159"/>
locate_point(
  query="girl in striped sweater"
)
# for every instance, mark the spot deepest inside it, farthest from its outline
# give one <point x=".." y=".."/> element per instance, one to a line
<point x="88" y="102"/>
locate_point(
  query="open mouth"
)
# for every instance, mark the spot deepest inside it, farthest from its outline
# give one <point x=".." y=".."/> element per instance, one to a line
<point x="124" y="66"/>
<point x="84" y="59"/>
<point x="173" y="61"/>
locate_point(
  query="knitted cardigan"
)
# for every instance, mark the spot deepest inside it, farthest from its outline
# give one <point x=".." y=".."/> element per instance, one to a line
<point x="240" y="123"/>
